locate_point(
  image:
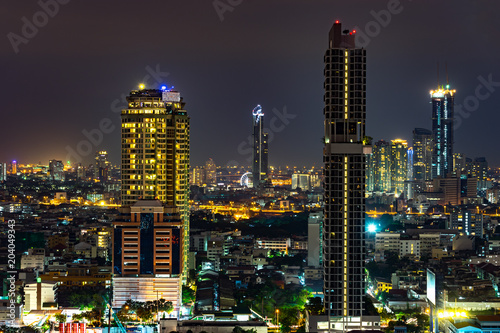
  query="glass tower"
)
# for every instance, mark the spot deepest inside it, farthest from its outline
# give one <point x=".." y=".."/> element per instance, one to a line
<point x="442" y="130"/>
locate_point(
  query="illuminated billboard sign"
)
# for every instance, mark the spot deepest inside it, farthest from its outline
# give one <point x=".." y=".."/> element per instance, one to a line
<point x="171" y="96"/>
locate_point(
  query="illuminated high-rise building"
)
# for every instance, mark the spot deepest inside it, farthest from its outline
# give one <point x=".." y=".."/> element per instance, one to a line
<point x="101" y="166"/>
<point x="210" y="172"/>
<point x="302" y="181"/>
<point x="155" y="152"/>
<point x="480" y="168"/>
<point x="3" y="172"/>
<point x="197" y="176"/>
<point x="344" y="180"/>
<point x="260" y="148"/>
<point x="459" y="163"/>
<point x="13" y="168"/>
<point x="409" y="166"/>
<point x="442" y="130"/>
<point x="379" y="167"/>
<point x="56" y="170"/>
<point x="422" y="154"/>
<point x="399" y="166"/>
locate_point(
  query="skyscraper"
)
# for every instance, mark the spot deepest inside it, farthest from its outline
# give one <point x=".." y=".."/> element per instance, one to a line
<point x="56" y="170"/>
<point x="379" y="166"/>
<point x="155" y="152"/>
<point x="260" y="148"/>
<point x="442" y="130"/>
<point x="344" y="174"/>
<point x="480" y="168"/>
<point x="399" y="165"/>
<point x="459" y="164"/>
<point x="422" y="154"/>
<point x="101" y="167"/>
<point x="210" y="172"/>
<point x="3" y="172"/>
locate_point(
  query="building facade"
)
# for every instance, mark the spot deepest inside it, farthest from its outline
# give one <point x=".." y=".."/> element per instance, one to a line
<point x="101" y="166"/>
<point x="399" y="165"/>
<point x="3" y="172"/>
<point x="442" y="129"/>
<point x="379" y="168"/>
<point x="302" y="181"/>
<point x="422" y="154"/>
<point x="210" y="172"/>
<point x="155" y="152"/>
<point x="314" y="237"/>
<point x="344" y="176"/>
<point x="147" y="243"/>
<point x="56" y="170"/>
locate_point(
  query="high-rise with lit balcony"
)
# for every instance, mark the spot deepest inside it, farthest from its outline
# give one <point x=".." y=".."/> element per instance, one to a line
<point x="442" y="129"/>
<point x="155" y="152"/>
<point x="344" y="180"/>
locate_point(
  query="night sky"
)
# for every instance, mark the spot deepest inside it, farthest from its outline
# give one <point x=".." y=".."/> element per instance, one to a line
<point x="71" y="74"/>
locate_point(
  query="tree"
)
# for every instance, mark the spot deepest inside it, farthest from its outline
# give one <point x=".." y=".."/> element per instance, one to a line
<point x="188" y="295"/>
<point x="60" y="318"/>
<point x="144" y="314"/>
<point x="315" y="306"/>
<point x="94" y="317"/>
<point x="288" y="317"/>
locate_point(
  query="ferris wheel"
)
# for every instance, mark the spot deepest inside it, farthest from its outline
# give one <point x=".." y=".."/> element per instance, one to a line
<point x="247" y="180"/>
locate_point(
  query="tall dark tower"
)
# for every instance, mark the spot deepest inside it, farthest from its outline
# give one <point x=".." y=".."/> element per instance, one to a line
<point x="260" y="148"/>
<point x="442" y="130"/>
<point x="344" y="177"/>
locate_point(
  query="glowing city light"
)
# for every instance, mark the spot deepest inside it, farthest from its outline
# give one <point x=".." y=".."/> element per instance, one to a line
<point x="372" y="228"/>
<point x="142" y="86"/>
<point x="257" y="112"/>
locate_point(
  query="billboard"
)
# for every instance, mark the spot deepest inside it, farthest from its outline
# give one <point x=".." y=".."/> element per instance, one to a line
<point x="431" y="287"/>
<point x="171" y="96"/>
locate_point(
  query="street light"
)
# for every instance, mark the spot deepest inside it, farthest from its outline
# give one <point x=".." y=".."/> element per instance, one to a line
<point x="278" y="318"/>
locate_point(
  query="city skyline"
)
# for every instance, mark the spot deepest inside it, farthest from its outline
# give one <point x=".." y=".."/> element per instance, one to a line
<point x="270" y="70"/>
